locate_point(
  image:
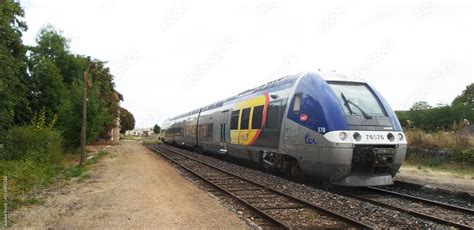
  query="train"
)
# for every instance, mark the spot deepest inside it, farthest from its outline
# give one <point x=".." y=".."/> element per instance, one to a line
<point x="323" y="125"/>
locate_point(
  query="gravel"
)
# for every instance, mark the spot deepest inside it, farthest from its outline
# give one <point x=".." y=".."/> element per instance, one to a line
<point x="356" y="209"/>
<point x="448" y="197"/>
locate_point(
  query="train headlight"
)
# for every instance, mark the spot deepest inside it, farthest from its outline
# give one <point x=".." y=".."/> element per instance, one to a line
<point x="357" y="136"/>
<point x="342" y="135"/>
<point x="400" y="137"/>
<point x="390" y="137"/>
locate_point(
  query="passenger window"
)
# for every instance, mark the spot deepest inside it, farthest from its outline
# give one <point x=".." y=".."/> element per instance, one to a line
<point x="297" y="103"/>
<point x="202" y="130"/>
<point x="234" y="120"/>
<point x="273" y="114"/>
<point x="244" y="122"/>
<point x="257" y="117"/>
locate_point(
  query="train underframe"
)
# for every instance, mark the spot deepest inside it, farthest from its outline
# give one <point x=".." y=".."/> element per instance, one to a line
<point x="370" y="165"/>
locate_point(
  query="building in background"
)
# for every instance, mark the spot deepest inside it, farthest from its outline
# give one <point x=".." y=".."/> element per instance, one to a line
<point x="140" y="132"/>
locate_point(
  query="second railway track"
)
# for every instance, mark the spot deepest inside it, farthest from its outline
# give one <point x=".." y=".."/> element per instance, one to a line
<point x="451" y="215"/>
<point x="279" y="209"/>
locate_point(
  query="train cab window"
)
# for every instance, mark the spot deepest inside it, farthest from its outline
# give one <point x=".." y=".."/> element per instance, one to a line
<point x="257" y="117"/>
<point x="297" y="103"/>
<point x="234" y="120"/>
<point x="244" y="122"/>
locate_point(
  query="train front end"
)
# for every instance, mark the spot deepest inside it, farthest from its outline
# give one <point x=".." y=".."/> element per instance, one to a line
<point x="359" y="138"/>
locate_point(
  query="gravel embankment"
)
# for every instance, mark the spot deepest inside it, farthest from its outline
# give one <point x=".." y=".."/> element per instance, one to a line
<point x="356" y="209"/>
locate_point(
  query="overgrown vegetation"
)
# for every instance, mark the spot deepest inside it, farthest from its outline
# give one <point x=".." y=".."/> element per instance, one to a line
<point x="41" y="90"/>
<point x="445" y="127"/>
<point x="32" y="157"/>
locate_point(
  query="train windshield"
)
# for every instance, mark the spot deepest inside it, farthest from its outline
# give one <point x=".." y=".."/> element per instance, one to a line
<point x="357" y="99"/>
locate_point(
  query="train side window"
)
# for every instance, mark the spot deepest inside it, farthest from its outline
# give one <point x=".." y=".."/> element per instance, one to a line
<point x="244" y="122"/>
<point x="297" y="103"/>
<point x="257" y="117"/>
<point x="234" y="120"/>
<point x="202" y="131"/>
<point x="273" y="115"/>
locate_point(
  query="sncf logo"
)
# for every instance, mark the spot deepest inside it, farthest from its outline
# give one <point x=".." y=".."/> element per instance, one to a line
<point x="303" y="117"/>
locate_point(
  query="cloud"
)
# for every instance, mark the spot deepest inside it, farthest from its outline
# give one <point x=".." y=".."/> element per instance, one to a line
<point x="170" y="57"/>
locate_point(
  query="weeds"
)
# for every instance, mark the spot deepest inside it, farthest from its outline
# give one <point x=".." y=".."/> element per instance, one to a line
<point x="449" y="140"/>
<point x="75" y="171"/>
<point x="458" y="143"/>
<point x="92" y="160"/>
<point x="84" y="177"/>
<point x="102" y="153"/>
<point x="450" y="166"/>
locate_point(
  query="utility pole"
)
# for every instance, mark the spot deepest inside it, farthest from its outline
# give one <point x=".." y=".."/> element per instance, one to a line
<point x="84" y="115"/>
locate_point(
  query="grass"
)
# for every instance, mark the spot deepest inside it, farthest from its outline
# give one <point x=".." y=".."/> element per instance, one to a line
<point x="460" y="163"/>
<point x="92" y="160"/>
<point x="75" y="171"/>
<point x="84" y="177"/>
<point x="102" y="153"/>
<point x="132" y="138"/>
<point x="457" y="169"/>
<point x="448" y="140"/>
<point x="25" y="177"/>
<point x="150" y="141"/>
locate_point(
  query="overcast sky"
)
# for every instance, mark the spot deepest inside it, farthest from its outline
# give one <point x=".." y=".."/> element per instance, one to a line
<point x="169" y="57"/>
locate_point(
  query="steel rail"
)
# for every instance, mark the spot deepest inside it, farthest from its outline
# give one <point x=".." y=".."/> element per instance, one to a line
<point x="277" y="223"/>
<point x="420" y="199"/>
<point x="339" y="216"/>
<point x="411" y="212"/>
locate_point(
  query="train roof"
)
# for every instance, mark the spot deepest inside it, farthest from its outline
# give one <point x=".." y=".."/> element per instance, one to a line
<point x="278" y="84"/>
<point x="333" y="76"/>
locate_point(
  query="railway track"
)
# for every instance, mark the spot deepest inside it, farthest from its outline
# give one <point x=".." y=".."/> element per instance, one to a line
<point x="451" y="215"/>
<point x="278" y="209"/>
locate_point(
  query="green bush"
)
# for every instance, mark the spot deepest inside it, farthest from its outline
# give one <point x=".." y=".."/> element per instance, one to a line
<point x="23" y="175"/>
<point x="464" y="155"/>
<point x="31" y="158"/>
<point x="38" y="145"/>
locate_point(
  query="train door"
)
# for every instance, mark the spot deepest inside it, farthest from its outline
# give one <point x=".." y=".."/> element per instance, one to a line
<point x="292" y="129"/>
<point x="224" y="127"/>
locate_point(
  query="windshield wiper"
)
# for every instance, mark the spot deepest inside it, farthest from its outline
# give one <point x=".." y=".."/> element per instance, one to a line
<point x="347" y="102"/>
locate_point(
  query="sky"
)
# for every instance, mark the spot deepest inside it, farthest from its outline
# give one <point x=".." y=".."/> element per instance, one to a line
<point x="170" y="57"/>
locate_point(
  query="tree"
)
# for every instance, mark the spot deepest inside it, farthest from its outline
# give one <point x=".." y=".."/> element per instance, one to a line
<point x="466" y="97"/>
<point x="52" y="45"/>
<point x="104" y="80"/>
<point x="127" y="121"/>
<point x="55" y="71"/>
<point x="156" y="129"/>
<point x="420" y="105"/>
<point x="14" y="106"/>
<point x="48" y="90"/>
<point x="442" y="117"/>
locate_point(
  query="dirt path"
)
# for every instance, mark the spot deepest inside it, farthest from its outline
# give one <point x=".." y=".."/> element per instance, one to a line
<point x="443" y="180"/>
<point x="129" y="188"/>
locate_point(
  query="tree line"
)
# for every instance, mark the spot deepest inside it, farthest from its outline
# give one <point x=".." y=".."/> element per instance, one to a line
<point x="41" y="98"/>
<point x="458" y="114"/>
<point x="47" y="78"/>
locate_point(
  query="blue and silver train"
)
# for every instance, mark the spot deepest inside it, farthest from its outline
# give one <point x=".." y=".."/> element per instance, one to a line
<point x="316" y="124"/>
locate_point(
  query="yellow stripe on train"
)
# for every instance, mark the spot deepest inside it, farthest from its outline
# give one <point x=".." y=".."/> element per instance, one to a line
<point x="245" y="134"/>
